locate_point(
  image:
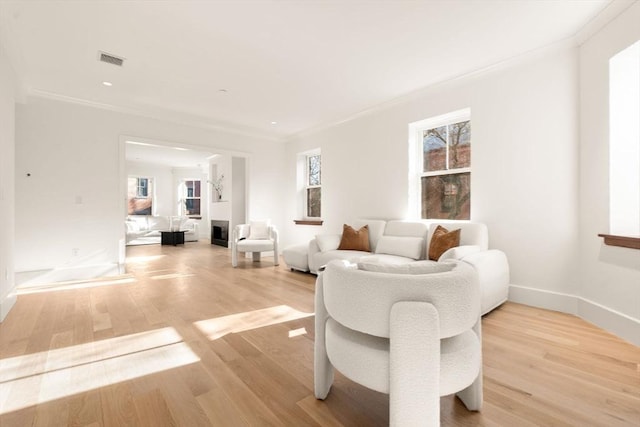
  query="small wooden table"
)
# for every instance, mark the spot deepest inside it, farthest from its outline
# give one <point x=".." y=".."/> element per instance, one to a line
<point x="172" y="238"/>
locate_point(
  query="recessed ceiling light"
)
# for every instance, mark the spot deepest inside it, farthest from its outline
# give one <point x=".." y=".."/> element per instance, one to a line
<point x="222" y="90"/>
<point x="274" y="123"/>
<point x="107" y="83"/>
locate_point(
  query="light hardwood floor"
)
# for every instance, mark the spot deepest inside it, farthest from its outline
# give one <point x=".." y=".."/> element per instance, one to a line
<point x="183" y="339"/>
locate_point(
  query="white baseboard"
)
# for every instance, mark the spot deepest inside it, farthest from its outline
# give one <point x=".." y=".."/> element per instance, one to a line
<point x="626" y="327"/>
<point x="62" y="274"/>
<point x="7" y="303"/>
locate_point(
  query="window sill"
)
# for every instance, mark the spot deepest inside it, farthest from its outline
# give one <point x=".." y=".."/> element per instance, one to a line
<point x="308" y="221"/>
<point x="621" y="241"/>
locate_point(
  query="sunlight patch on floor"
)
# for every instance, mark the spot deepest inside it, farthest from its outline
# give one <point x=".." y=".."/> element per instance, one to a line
<point x="42" y="377"/>
<point x="297" y="332"/>
<point x="220" y="326"/>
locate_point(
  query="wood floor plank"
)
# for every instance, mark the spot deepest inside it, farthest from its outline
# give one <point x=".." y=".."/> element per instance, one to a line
<point x="141" y="352"/>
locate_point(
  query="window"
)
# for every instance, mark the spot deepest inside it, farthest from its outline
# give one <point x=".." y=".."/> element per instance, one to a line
<point x="309" y="187"/>
<point x="192" y="197"/>
<point x="142" y="188"/>
<point x="139" y="195"/>
<point x="441" y="149"/>
<point x="624" y="142"/>
<point x="313" y="185"/>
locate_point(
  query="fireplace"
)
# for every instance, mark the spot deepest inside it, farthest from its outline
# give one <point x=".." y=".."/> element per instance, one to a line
<point x="220" y="233"/>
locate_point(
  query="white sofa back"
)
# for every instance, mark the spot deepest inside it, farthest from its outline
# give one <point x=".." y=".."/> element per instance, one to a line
<point x="376" y="229"/>
<point x="471" y="234"/>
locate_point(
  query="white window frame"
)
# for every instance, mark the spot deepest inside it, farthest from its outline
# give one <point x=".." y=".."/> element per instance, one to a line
<point x="309" y="186"/>
<point x="138" y="187"/>
<point x="302" y="183"/>
<point x="185" y="197"/>
<point x="416" y="157"/>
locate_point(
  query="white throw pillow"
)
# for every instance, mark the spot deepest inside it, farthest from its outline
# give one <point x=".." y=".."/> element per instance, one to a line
<point x="259" y="230"/>
<point x="418" y="267"/>
<point x="328" y="242"/>
<point x="410" y="247"/>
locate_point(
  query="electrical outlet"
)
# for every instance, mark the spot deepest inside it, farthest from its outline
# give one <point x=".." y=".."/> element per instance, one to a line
<point x="75" y="251"/>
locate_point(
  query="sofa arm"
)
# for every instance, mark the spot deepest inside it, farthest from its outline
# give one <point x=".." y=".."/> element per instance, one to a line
<point x="493" y="274"/>
<point x="459" y="252"/>
<point x="312" y="251"/>
<point x="240" y="231"/>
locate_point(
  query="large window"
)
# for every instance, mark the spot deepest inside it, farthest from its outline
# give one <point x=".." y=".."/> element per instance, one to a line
<point x="139" y="195"/>
<point x="624" y="142"/>
<point x="313" y="185"/>
<point x="442" y="165"/>
<point x="191" y="197"/>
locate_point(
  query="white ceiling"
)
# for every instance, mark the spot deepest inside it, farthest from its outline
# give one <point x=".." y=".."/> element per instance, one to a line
<point x="302" y="64"/>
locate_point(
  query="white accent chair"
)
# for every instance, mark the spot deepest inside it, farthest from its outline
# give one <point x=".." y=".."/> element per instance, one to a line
<point x="255" y="237"/>
<point x="415" y="337"/>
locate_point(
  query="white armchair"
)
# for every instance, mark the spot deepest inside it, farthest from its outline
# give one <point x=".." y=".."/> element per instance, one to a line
<point x="415" y="337"/>
<point x="255" y="237"/>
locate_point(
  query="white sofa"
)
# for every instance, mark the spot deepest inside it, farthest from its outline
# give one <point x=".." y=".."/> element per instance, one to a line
<point x="397" y="242"/>
<point x="145" y="229"/>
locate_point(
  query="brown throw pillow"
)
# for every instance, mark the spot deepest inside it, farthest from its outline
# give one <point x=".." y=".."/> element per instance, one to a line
<point x="442" y="240"/>
<point x="355" y="240"/>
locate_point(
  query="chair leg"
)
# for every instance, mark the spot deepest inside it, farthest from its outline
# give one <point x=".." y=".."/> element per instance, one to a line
<point x="322" y="368"/>
<point x="414" y="365"/>
<point x="472" y="395"/>
<point x="234" y="257"/>
<point x="256" y="256"/>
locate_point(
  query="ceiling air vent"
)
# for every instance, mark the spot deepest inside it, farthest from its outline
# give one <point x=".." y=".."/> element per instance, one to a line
<point x="110" y="59"/>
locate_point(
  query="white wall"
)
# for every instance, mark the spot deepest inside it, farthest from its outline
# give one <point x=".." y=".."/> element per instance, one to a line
<point x="163" y="200"/>
<point x="7" y="179"/>
<point x="524" y="164"/>
<point x="73" y="150"/>
<point x="610" y="276"/>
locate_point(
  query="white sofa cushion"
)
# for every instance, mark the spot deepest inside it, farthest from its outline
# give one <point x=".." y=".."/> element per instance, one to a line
<point x="158" y="223"/>
<point x="255" y="245"/>
<point x="328" y="242"/>
<point x="406" y="228"/>
<point x="259" y="230"/>
<point x="459" y="252"/>
<point x="322" y="258"/>
<point x="132" y="226"/>
<point x="410" y="247"/>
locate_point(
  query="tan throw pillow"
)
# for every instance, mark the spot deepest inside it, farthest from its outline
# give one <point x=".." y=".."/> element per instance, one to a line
<point x="355" y="240"/>
<point x="442" y="240"/>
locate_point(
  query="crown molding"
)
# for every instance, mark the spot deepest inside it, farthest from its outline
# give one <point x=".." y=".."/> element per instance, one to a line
<point x="606" y="15"/>
<point x="165" y="116"/>
<point x="521" y="58"/>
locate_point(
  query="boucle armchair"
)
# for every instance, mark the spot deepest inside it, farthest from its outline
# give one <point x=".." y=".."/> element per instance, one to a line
<point x="255" y="237"/>
<point x="414" y="336"/>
